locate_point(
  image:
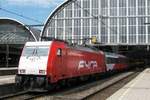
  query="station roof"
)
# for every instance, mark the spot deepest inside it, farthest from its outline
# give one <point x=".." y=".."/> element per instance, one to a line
<point x="14" y="32"/>
<point x="78" y="19"/>
<point x="62" y="5"/>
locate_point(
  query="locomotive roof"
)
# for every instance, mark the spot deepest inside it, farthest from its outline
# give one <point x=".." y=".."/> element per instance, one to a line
<point x="38" y="43"/>
<point x="85" y="48"/>
<point x="113" y="55"/>
<point x="52" y="39"/>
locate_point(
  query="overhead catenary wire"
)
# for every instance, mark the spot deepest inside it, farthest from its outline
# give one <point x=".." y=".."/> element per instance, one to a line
<point x="86" y="11"/>
<point x="95" y="17"/>
<point x="20" y="15"/>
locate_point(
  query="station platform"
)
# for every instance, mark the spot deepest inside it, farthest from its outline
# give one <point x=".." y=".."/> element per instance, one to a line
<point x="9" y="79"/>
<point x="7" y="85"/>
<point x="8" y="71"/>
<point x="137" y="89"/>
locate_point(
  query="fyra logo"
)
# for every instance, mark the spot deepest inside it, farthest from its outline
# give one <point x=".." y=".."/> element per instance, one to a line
<point x="87" y="64"/>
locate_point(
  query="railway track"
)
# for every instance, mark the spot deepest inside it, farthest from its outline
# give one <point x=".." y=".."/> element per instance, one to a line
<point x="24" y="95"/>
<point x="74" y="93"/>
<point x="85" y="91"/>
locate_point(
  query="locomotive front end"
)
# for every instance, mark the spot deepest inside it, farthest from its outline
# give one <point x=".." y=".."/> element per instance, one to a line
<point x="32" y="69"/>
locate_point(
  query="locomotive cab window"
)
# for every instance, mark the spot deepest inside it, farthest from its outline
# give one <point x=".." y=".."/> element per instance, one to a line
<point x="111" y="60"/>
<point x="35" y="51"/>
<point x="59" y="52"/>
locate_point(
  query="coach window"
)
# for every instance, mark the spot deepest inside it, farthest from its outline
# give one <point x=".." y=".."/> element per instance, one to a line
<point x="109" y="60"/>
<point x="59" y="52"/>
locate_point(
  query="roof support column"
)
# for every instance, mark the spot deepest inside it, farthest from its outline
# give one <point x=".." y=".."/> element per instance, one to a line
<point x="55" y="27"/>
<point x="81" y="21"/>
<point x="146" y="26"/>
<point x="99" y="20"/>
<point x="118" y="23"/>
<point x="47" y="31"/>
<point x="90" y="19"/>
<point x="127" y="25"/>
<point x="108" y="22"/>
<point x="64" y="25"/>
<point x="7" y="55"/>
<point x="137" y="32"/>
<point x="73" y="36"/>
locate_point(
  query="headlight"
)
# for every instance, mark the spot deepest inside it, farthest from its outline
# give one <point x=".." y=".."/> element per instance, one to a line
<point x="42" y="71"/>
<point x="22" y="71"/>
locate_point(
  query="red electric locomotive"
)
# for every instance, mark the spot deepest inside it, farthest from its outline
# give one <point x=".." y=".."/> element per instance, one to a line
<point x="43" y="64"/>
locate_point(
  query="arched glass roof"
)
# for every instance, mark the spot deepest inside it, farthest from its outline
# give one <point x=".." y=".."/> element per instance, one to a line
<point x="15" y="32"/>
<point x="113" y="22"/>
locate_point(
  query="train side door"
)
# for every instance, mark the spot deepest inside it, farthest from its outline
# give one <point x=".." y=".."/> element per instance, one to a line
<point x="61" y="62"/>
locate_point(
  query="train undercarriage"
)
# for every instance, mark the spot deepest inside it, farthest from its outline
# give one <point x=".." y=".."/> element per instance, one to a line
<point x="32" y="82"/>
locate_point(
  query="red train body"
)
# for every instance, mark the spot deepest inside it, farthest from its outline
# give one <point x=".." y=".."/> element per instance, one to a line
<point x="46" y="63"/>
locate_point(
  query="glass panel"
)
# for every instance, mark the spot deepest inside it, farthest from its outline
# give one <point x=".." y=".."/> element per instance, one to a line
<point x="68" y="13"/>
<point x="14" y="34"/>
<point x="77" y="23"/>
<point x="60" y="14"/>
<point x="35" y="51"/>
<point x="123" y="34"/>
<point x="113" y="3"/>
<point x="132" y="34"/>
<point x="86" y="4"/>
<point x="148" y="12"/>
<point x="60" y="33"/>
<point x="141" y="11"/>
<point x="122" y="21"/>
<point x="95" y="3"/>
<point x="104" y="3"/>
<point x="77" y="13"/>
<point x="132" y="3"/>
<point x="113" y="21"/>
<point x="141" y="21"/>
<point x="113" y="11"/>
<point x="148" y="34"/>
<point x="95" y="12"/>
<point x="104" y="34"/>
<point x="122" y="3"/>
<point x="60" y="23"/>
<point x="148" y="3"/>
<point x="68" y="23"/>
<point x="113" y="34"/>
<point x="132" y="21"/>
<point x="104" y="12"/>
<point x="68" y="33"/>
<point x="122" y="12"/>
<point x="141" y="3"/>
<point x="132" y="11"/>
<point x="86" y="13"/>
<point x="94" y="31"/>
